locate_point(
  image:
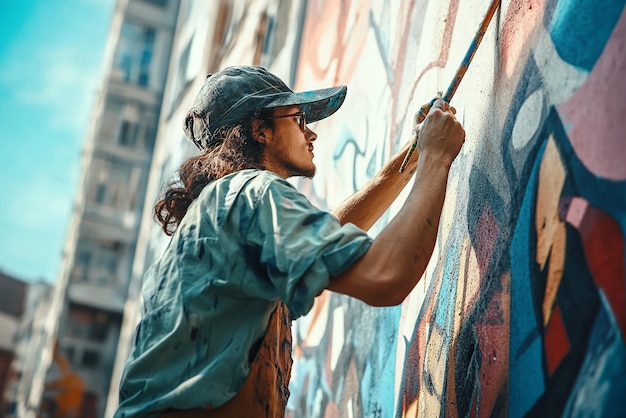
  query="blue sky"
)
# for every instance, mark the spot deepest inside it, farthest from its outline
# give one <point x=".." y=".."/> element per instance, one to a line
<point x="51" y="54"/>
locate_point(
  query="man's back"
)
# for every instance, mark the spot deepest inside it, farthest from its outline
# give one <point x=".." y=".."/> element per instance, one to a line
<point x="248" y="241"/>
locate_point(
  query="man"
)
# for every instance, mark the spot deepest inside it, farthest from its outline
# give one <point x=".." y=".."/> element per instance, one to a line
<point x="249" y="253"/>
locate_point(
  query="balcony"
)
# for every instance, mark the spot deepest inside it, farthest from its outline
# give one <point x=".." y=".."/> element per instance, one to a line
<point x="109" y="223"/>
<point x="104" y="298"/>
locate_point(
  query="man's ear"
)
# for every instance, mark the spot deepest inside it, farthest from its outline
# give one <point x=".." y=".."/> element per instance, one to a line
<point x="260" y="131"/>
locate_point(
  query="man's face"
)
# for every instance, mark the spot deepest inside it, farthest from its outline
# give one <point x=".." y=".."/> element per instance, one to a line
<point x="289" y="148"/>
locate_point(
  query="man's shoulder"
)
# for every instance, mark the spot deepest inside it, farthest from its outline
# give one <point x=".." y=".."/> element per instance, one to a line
<point x="251" y="184"/>
<point x="254" y="180"/>
<point x="250" y="174"/>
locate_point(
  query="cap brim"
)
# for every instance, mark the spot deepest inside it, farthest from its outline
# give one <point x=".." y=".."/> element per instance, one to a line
<point x="316" y="104"/>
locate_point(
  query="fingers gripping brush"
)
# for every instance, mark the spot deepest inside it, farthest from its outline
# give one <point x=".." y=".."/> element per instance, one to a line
<point x="460" y="72"/>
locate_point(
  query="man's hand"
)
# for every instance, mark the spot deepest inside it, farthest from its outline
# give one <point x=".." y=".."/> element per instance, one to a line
<point x="441" y="135"/>
<point x="419" y="117"/>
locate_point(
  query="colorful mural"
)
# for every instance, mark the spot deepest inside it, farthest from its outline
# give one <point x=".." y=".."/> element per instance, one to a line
<point x="522" y="310"/>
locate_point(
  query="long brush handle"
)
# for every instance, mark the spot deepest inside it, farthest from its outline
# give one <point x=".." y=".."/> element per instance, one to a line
<point x="460" y="72"/>
<point x="480" y="33"/>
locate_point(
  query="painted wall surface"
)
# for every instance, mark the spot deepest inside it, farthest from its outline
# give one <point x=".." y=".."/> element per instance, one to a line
<point x="522" y="310"/>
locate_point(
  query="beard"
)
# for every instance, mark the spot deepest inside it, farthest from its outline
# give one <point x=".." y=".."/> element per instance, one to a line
<point x="298" y="171"/>
<point x="309" y="173"/>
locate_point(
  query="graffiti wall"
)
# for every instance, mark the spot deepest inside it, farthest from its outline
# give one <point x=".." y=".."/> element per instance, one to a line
<point x="522" y="310"/>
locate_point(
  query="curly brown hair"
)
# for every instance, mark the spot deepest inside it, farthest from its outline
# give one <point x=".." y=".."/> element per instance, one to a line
<point x="237" y="150"/>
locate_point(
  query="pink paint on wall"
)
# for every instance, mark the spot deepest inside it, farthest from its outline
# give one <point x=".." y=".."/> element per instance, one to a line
<point x="594" y="114"/>
<point x="604" y="250"/>
<point x="521" y="22"/>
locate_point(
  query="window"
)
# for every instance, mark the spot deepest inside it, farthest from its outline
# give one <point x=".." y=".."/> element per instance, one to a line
<point x="114" y="183"/>
<point x="130" y="125"/>
<point x="128" y="134"/>
<point x="98" y="262"/>
<point x="78" y="322"/>
<point x="87" y="324"/>
<point x="106" y="267"/>
<point x="160" y="3"/>
<point x="82" y="265"/>
<point x="91" y="359"/>
<point x="99" y="327"/>
<point x="69" y="353"/>
<point x="144" y="68"/>
<point x="101" y="193"/>
<point x="134" y="56"/>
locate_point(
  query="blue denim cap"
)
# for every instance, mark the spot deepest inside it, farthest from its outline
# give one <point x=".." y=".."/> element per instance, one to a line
<point x="235" y="94"/>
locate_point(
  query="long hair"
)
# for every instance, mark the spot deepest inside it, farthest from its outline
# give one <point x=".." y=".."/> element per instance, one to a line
<point x="235" y="151"/>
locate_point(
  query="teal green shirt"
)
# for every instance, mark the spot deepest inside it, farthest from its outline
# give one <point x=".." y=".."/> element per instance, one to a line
<point x="249" y="240"/>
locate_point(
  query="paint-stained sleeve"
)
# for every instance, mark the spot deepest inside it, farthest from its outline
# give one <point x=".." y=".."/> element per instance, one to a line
<point x="300" y="247"/>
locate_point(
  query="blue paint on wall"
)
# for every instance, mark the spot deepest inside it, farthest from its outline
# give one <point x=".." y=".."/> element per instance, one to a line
<point x="580" y="29"/>
<point x="444" y="312"/>
<point x="525" y="352"/>
<point x="602" y="377"/>
<point x="377" y="384"/>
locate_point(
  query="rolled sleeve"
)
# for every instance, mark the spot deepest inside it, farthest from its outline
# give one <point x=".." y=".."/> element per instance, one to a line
<point x="301" y="246"/>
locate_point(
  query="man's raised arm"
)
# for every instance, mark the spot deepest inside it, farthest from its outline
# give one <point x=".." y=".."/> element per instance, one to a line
<point x="393" y="265"/>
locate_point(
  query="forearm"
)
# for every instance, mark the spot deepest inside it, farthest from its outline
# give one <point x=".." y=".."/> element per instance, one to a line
<point x="368" y="204"/>
<point x="408" y="240"/>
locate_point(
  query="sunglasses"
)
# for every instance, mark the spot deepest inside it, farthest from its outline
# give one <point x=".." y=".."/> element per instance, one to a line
<point x="299" y="116"/>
